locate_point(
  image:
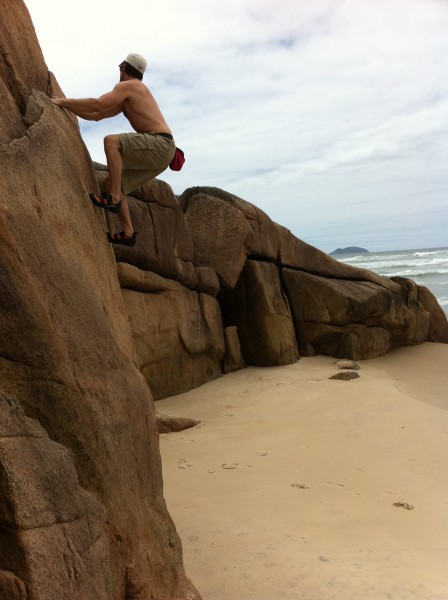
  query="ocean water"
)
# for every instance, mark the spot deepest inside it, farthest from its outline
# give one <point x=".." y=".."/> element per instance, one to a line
<point x="425" y="266"/>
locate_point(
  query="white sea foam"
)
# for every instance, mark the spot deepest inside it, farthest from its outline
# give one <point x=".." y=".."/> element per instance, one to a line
<point x="409" y="263"/>
<point x="411" y="273"/>
<point x="432" y="253"/>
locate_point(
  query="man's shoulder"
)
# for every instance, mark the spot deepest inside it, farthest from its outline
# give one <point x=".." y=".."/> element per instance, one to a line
<point x="131" y="85"/>
<point x="123" y="85"/>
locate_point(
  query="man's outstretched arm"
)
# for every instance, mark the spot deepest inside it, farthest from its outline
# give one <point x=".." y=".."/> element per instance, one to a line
<point x="95" y="109"/>
<point x="85" y="108"/>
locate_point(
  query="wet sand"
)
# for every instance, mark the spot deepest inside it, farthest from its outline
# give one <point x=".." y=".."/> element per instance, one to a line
<point x="296" y="486"/>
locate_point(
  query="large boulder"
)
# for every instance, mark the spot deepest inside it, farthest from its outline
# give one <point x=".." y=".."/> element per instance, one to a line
<point x="270" y="241"/>
<point x="354" y="341"/>
<point x="262" y="242"/>
<point x="67" y="358"/>
<point x="352" y="319"/>
<point x="222" y="237"/>
<point x="338" y="309"/>
<point x="260" y="310"/>
<point x="177" y="332"/>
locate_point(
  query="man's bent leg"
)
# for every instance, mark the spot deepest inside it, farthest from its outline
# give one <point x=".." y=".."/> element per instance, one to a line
<point x="112" y="148"/>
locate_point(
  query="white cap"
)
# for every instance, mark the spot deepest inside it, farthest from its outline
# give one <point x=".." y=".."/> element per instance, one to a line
<point x="137" y="61"/>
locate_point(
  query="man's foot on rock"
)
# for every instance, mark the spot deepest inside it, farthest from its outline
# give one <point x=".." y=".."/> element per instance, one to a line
<point x="122" y="238"/>
<point x="105" y="201"/>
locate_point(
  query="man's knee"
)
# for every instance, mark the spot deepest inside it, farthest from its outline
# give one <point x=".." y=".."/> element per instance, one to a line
<point x="112" y="142"/>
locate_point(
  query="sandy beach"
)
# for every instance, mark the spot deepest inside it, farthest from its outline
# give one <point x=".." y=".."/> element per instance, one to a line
<point x="296" y="486"/>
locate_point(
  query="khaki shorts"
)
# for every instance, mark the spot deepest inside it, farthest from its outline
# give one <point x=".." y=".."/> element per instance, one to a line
<point x="145" y="155"/>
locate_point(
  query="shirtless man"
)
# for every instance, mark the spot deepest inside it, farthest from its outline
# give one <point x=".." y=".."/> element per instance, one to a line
<point x="132" y="158"/>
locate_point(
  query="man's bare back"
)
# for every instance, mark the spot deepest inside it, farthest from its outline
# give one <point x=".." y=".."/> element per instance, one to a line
<point x="138" y="106"/>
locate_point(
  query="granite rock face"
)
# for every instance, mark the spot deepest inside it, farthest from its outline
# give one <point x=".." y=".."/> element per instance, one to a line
<point x="177" y="332"/>
<point x="18" y="77"/>
<point x="324" y="306"/>
<point x="81" y="518"/>
<point x="354" y="319"/>
<point x="279" y="297"/>
<point x="49" y="522"/>
<point x="222" y="237"/>
<point x="233" y="358"/>
<point x="438" y="330"/>
<point x="261" y="312"/>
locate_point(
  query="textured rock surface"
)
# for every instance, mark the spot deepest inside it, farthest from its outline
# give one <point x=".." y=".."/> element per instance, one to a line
<point x="11" y="587"/>
<point x="438" y="326"/>
<point x="22" y="69"/>
<point x="271" y="241"/>
<point x="178" y="332"/>
<point x="338" y="309"/>
<point x="347" y="364"/>
<point x="290" y="295"/>
<point x="164" y="241"/>
<point x="49" y="522"/>
<point x="67" y="357"/>
<point x="297" y="254"/>
<point x="355" y="319"/>
<point x="222" y="237"/>
<point x="345" y="376"/>
<point x="233" y="358"/>
<point x="263" y="241"/>
<point x="208" y="281"/>
<point x="261" y="312"/>
<point x="170" y="424"/>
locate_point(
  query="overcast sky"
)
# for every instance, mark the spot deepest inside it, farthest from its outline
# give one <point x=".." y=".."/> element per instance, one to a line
<point x="331" y="115"/>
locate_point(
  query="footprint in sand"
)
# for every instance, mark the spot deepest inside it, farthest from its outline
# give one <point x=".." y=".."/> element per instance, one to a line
<point x="404" y="505"/>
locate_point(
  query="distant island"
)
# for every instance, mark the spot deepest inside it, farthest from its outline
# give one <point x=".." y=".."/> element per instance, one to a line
<point x="350" y="250"/>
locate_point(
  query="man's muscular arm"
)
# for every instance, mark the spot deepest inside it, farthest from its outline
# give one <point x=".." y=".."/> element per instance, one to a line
<point x="76" y="107"/>
<point x="95" y="109"/>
